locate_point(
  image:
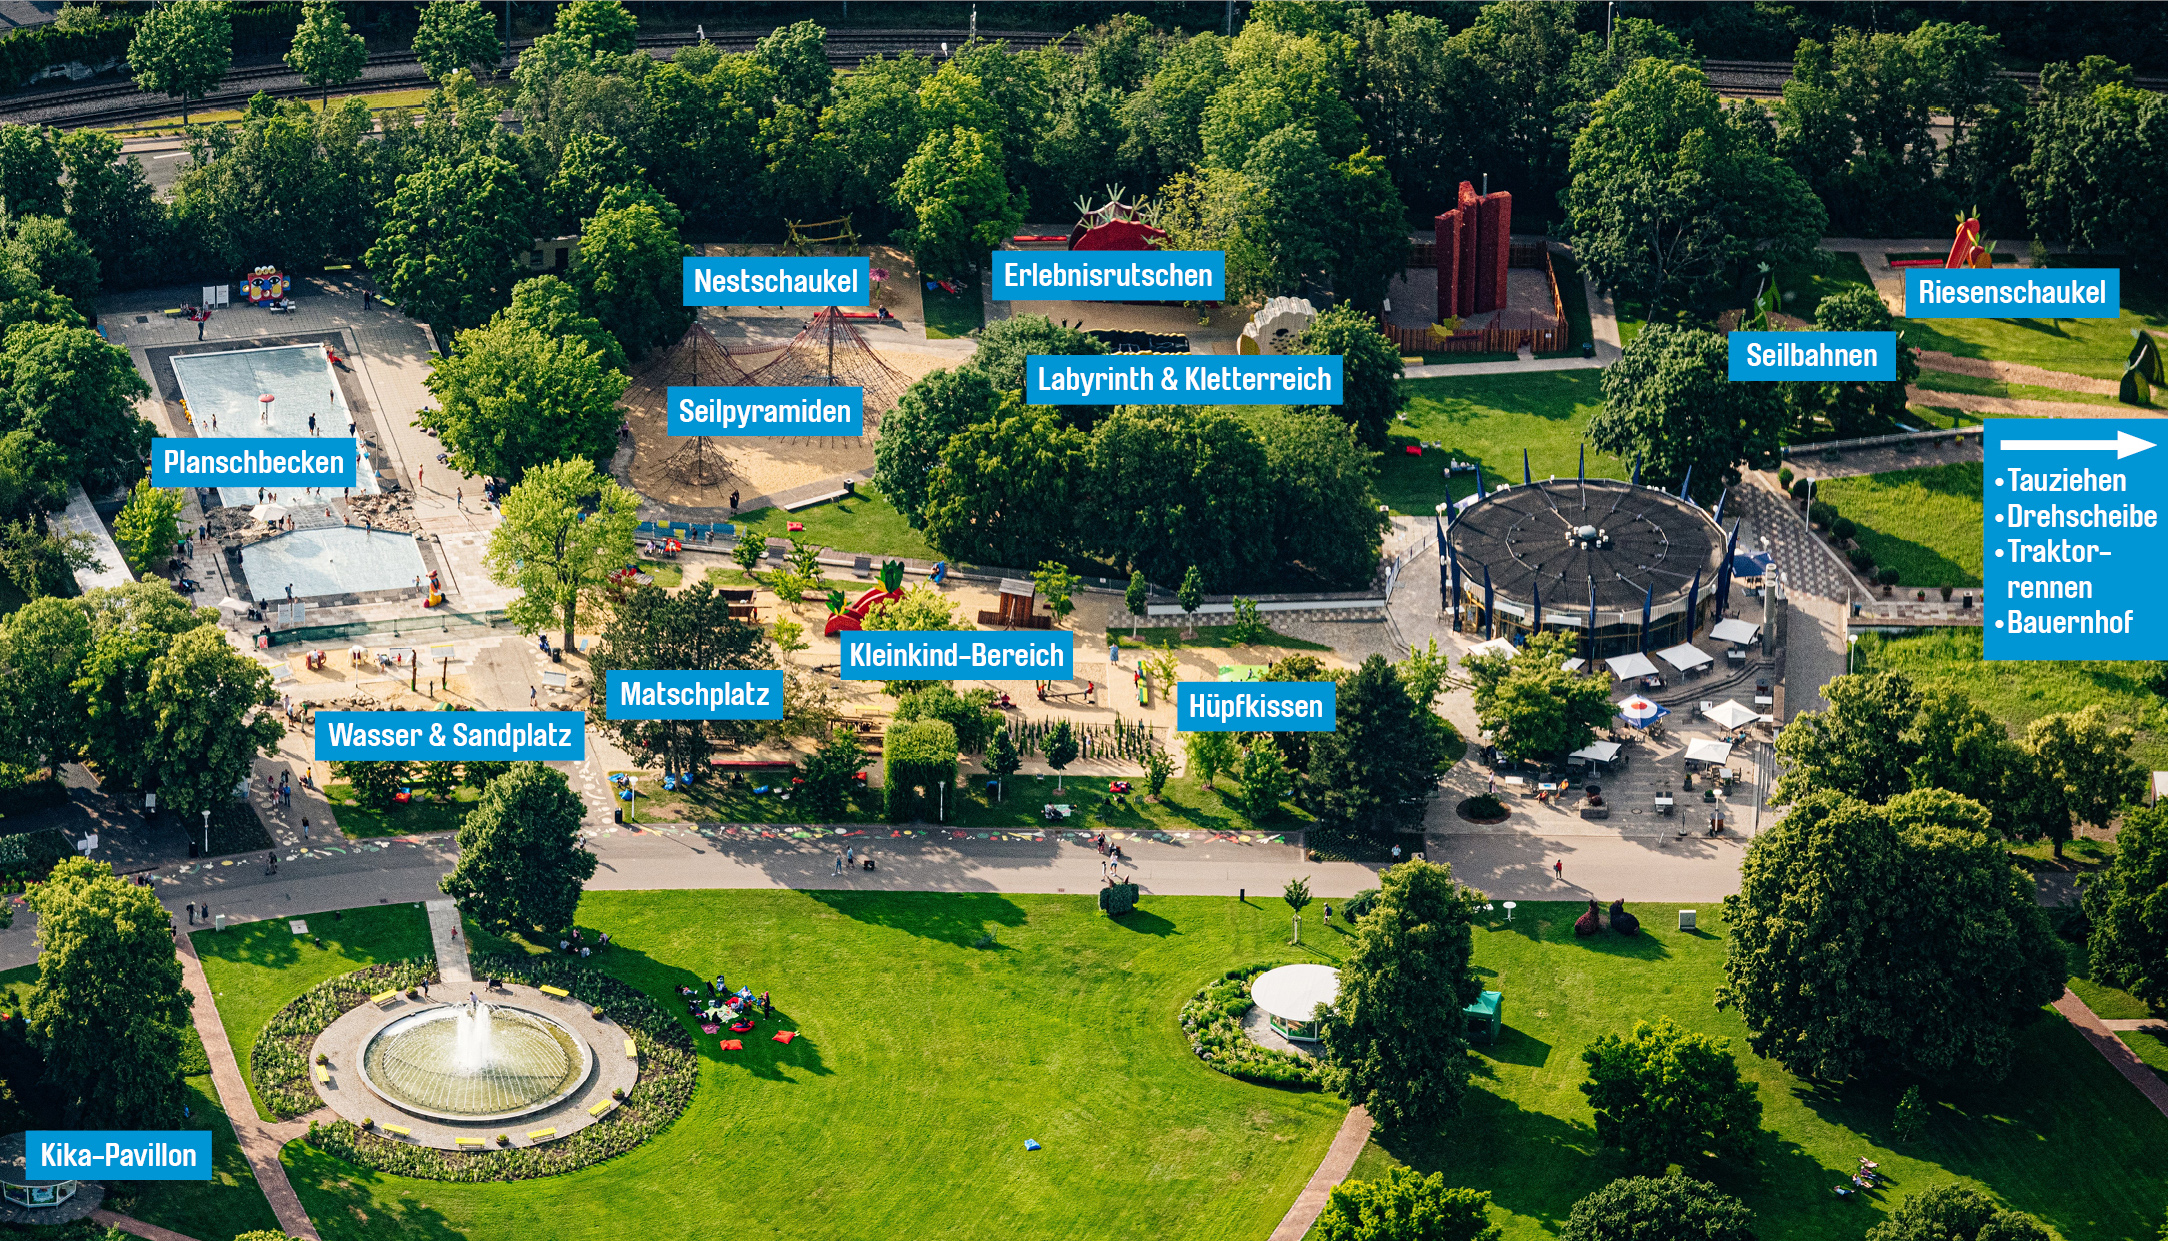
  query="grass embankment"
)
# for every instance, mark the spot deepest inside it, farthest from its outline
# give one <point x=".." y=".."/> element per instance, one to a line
<point x="1490" y="419"/>
<point x="422" y="814"/>
<point x="1924" y="523"/>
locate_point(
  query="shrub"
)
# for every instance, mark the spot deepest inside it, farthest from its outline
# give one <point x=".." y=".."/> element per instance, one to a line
<point x="1588" y="923"/>
<point x="1822" y="513"/>
<point x="1911" y="1114"/>
<point x="1784" y="477"/>
<point x="1484" y="806"/>
<point x="1946" y="588"/>
<point x="1844" y="528"/>
<point x="1862" y="559"/>
<point x="1799" y="489"/>
<point x="1213" y="1020"/>
<point x="1118" y="898"/>
<point x="1621" y="921"/>
<point x="1360" y="903"/>
<point x="1888" y="577"/>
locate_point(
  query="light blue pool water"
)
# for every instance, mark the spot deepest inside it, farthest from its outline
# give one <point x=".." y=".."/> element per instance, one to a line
<point x="335" y="561"/>
<point x="223" y="391"/>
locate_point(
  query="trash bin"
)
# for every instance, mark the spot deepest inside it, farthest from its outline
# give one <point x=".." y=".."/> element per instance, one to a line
<point x="192" y="848"/>
<point x="617" y="816"/>
<point x="218" y="922"/>
<point x="1588" y="349"/>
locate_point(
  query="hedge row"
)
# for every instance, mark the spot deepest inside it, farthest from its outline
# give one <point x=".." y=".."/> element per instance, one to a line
<point x="1213" y="1021"/>
<point x="280" y="1058"/>
<point x="667" y="1074"/>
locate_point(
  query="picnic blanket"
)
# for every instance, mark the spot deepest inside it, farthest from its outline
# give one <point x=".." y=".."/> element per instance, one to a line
<point x="709" y="1029"/>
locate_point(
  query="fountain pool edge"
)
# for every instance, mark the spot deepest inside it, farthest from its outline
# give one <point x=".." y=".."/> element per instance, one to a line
<point x="429" y="1012"/>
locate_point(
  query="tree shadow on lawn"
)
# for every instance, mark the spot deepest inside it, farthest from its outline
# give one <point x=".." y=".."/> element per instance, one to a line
<point x="1922" y="566"/>
<point x="1513" y="1047"/>
<point x="1145" y="922"/>
<point x="366" y="936"/>
<point x="339" y="1204"/>
<point x="958" y="918"/>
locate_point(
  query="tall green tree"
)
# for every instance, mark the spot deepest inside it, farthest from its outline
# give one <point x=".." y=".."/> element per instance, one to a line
<point x="455" y="35"/>
<point x="131" y="626"/>
<point x="42" y="647"/>
<point x="1004" y="489"/>
<point x="565" y="529"/>
<point x="1368" y="244"/>
<point x="2127" y="905"/>
<point x="1266" y="781"/>
<point x="149" y="526"/>
<point x="552" y="307"/>
<point x="326" y="52"/>
<point x="203" y="698"/>
<point x="1289" y="220"/>
<point x="1405" y="1206"/>
<point x="1004" y="345"/>
<point x="1395" y="1039"/>
<point x="1667" y="403"/>
<point x="2094" y="138"/>
<point x="629" y="273"/>
<point x="1176" y="486"/>
<point x="48" y="249"/>
<point x="655" y="630"/>
<point x="914" y="433"/>
<point x="2082" y="761"/>
<point x="1665" y="1094"/>
<point x="593" y="165"/>
<point x="68" y="387"/>
<point x="1669" y="1208"/>
<point x="450" y="237"/>
<point x="511" y="399"/>
<point x="30" y="170"/>
<point x="1897" y="938"/>
<point x="108" y="1005"/>
<point x="797" y="56"/>
<point x="1956" y="1213"/>
<point x="1370" y="371"/>
<point x="521" y="863"/>
<point x="1531" y="705"/>
<point x="112" y="207"/>
<point x="1854" y="407"/>
<point x="182" y="50"/>
<point x="1371" y="775"/>
<point x="955" y="191"/>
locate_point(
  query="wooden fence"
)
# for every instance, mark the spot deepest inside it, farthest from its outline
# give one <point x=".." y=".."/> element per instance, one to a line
<point x="1509" y="330"/>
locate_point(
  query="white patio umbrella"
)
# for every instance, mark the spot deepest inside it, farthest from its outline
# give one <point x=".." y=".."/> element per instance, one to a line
<point x="269" y="512"/>
<point x="1730" y="714"/>
<point x="1637" y="710"/>
<point x="230" y="602"/>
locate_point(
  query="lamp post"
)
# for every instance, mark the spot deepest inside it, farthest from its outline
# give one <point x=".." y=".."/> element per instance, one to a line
<point x="206" y="833"/>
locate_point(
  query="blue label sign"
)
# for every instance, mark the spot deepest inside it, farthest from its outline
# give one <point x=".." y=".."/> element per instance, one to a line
<point x="755" y="694"/>
<point x="1130" y="379"/>
<point x="778" y="282"/>
<point x="739" y="412"/>
<point x="2073" y="525"/>
<point x="420" y="736"/>
<point x="2034" y="293"/>
<point x="303" y="461"/>
<point x="1109" y="275"/>
<point x="1770" y="356"/>
<point x="957" y="655"/>
<point x="1255" y="706"/>
<point x="116" y="1155"/>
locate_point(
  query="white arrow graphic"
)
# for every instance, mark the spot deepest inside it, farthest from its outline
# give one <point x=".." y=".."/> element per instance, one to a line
<point x="2123" y="445"/>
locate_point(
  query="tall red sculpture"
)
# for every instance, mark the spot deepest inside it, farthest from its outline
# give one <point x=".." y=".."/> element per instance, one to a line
<point x="1472" y="244"/>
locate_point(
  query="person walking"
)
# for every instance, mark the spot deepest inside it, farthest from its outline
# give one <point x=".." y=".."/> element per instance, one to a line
<point x="312" y="424"/>
<point x="733" y="501"/>
<point x="199" y="328"/>
<point x="850" y="855"/>
<point x="839" y="863"/>
<point x="304" y="831"/>
<point x="1559" y="868"/>
<point x="459" y="498"/>
<point x="191" y="913"/>
<point x="1328" y="913"/>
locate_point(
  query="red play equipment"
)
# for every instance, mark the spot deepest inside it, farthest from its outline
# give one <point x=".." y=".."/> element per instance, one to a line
<point x="1116" y="226"/>
<point x="854" y="616"/>
<point x="1966" y="249"/>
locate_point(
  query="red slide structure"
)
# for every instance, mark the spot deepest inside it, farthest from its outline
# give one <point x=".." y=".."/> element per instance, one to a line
<point x="841" y="618"/>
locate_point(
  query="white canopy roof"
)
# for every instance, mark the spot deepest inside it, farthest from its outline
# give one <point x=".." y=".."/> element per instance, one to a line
<point x="1496" y="646"/>
<point x="1634" y="665"/>
<point x="1731" y="715"/>
<point x="1684" y="656"/>
<point x="1602" y="751"/>
<point x="1703" y="750"/>
<point x="1574" y="665"/>
<point x="1293" y="992"/>
<point x="1732" y="629"/>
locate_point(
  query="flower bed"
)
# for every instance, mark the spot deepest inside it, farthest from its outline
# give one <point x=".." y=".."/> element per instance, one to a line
<point x="1213" y="1021"/>
<point x="280" y="1058"/>
<point x="665" y="1086"/>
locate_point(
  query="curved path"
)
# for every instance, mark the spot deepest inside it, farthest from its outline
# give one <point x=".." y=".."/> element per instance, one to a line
<point x="1338" y="1162"/>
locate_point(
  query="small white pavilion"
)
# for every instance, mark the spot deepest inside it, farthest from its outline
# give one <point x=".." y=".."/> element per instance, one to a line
<point x="1291" y="996"/>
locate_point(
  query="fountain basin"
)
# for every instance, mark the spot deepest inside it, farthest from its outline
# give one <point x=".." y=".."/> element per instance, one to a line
<point x="435" y="1063"/>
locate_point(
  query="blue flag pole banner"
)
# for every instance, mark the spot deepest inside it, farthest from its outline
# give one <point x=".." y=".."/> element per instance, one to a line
<point x="2032" y="293"/>
<point x="424" y="736"/>
<point x="957" y="655"/>
<point x="1767" y="357"/>
<point x="1151" y="379"/>
<point x="1255" y="706"/>
<point x="116" y="1154"/>
<point x="731" y="694"/>
<point x="736" y="413"/>
<point x="1109" y="275"/>
<point x="755" y="281"/>
<point x="2072" y="527"/>
<point x="301" y="461"/>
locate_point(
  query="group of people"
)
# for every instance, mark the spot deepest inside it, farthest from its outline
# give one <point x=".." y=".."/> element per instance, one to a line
<point x="579" y="947"/>
<point x="720" y="1001"/>
<point x="850" y="858"/>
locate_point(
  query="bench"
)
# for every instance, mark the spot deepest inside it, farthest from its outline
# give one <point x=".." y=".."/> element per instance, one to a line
<point x="476" y="1143"/>
<point x="541" y="1135"/>
<point x="603" y="1107"/>
<point x="559" y="992"/>
<point x="323" y="1075"/>
<point x="632" y="1050"/>
<point x="384" y="999"/>
<point x="397" y="1130"/>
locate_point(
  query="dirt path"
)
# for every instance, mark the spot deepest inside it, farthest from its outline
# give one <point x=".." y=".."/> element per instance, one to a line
<point x="2016" y="372"/>
<point x="1971" y="403"/>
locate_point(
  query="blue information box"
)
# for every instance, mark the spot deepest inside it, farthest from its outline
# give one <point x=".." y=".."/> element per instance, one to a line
<point x="425" y="736"/>
<point x="754" y="694"/>
<point x="1756" y="357"/>
<point x="2072" y="527"/>
<point x="740" y="412"/>
<point x="757" y="281"/>
<point x="957" y="655"/>
<point x="116" y="1155"/>
<point x="1170" y="379"/>
<point x="299" y="461"/>
<point x="2031" y="293"/>
<point x="1255" y="706"/>
<point x="1109" y="275"/>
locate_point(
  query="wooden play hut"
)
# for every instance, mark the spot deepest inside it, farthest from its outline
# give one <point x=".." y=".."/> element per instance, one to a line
<point x="1015" y="607"/>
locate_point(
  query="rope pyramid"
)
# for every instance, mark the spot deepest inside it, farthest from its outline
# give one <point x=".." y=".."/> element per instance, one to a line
<point x="829" y="352"/>
<point x="697" y="360"/>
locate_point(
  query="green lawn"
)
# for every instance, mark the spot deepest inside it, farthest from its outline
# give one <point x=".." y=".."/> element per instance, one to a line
<point x="2065" y="1137"/>
<point x="1924" y="523"/>
<point x="2150" y="1048"/>
<point x="718" y="801"/>
<point x="1151" y="639"/>
<point x="924" y="1064"/>
<point x="1804" y="285"/>
<point x="668" y="574"/>
<point x="257" y="968"/>
<point x="2020" y="691"/>
<point x="1489" y="419"/>
<point x="423" y="814"/>
<point x="951" y="315"/>
<point x="865" y="524"/>
<point x="2095" y="347"/>
<point x="1945" y="381"/>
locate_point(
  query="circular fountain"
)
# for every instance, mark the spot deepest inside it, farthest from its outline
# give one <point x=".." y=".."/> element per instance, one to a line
<point x="475" y="1062"/>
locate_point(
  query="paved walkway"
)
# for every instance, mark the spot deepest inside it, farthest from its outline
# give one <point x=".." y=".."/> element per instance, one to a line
<point x="259" y="1141"/>
<point x="137" y="1228"/>
<point x="452" y="968"/>
<point x="1339" y="1160"/>
<point x="2101" y="1035"/>
<point x="1451" y="370"/>
<point x="1809" y="565"/>
<point x="2151" y="1025"/>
